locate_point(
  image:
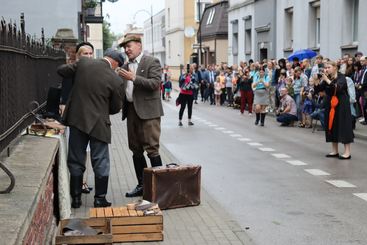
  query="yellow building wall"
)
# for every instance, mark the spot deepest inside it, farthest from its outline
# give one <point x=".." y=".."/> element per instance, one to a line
<point x="189" y="20"/>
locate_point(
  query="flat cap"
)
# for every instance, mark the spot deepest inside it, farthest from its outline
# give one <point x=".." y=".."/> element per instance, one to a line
<point x="131" y="38"/>
<point x="116" y="55"/>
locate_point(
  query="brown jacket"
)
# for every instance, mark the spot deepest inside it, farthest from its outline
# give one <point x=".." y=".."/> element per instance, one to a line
<point x="97" y="92"/>
<point x="147" y="85"/>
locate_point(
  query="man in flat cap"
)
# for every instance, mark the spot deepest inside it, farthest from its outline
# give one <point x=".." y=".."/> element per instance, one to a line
<point x="142" y="107"/>
<point x="97" y="92"/>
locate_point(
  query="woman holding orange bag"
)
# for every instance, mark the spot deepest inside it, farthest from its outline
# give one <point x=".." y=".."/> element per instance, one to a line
<point x="338" y="117"/>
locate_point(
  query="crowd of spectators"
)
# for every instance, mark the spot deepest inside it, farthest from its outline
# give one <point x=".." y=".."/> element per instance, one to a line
<point x="286" y="88"/>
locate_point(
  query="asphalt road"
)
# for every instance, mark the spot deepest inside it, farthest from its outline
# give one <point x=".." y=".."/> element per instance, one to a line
<point x="273" y="180"/>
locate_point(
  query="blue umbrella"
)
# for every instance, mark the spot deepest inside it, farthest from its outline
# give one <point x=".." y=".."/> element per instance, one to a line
<point x="302" y="54"/>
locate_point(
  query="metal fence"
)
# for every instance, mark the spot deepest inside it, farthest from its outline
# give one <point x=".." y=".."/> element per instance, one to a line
<point x="27" y="70"/>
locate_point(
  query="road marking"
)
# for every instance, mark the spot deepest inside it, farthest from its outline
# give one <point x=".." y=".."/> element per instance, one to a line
<point x="212" y="125"/>
<point x="227" y="132"/>
<point x="254" y="144"/>
<point x="281" y="155"/>
<point x="341" y="183"/>
<point x="296" y="162"/>
<point x="219" y="128"/>
<point x="244" y="139"/>
<point x="316" y="172"/>
<point x="236" y="135"/>
<point x="266" y="149"/>
<point x="361" y="195"/>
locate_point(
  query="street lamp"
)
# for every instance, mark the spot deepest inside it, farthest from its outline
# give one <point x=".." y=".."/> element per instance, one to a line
<point x="151" y="22"/>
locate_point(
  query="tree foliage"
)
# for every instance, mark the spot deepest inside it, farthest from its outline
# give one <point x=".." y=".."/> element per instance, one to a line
<point x="108" y="36"/>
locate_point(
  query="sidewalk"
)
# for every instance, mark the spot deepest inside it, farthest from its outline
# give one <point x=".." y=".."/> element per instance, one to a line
<point x="207" y="223"/>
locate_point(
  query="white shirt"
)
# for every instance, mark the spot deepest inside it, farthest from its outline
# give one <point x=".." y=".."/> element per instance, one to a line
<point x="133" y="66"/>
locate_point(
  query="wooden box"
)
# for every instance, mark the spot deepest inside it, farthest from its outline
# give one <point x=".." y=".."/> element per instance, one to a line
<point x="102" y="224"/>
<point x="130" y="225"/>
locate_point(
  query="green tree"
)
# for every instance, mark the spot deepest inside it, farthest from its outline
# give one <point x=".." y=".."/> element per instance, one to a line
<point x="108" y="36"/>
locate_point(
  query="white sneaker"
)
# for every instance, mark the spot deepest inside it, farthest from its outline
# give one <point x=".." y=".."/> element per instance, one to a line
<point x="361" y="120"/>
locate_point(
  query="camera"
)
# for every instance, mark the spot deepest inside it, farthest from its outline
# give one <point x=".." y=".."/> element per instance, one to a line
<point x="319" y="75"/>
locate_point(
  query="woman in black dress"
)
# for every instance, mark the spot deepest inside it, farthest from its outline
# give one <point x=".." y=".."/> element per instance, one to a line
<point x="338" y="129"/>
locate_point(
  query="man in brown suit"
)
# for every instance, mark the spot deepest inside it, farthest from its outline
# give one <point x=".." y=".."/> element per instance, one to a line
<point x="97" y="92"/>
<point x="142" y="108"/>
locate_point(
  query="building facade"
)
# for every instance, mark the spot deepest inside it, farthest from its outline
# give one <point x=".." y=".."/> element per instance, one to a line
<point x="182" y="22"/>
<point x="158" y="48"/>
<point x="259" y="29"/>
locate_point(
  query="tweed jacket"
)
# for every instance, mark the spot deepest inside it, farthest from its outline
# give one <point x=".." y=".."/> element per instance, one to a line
<point x="146" y="92"/>
<point x="97" y="92"/>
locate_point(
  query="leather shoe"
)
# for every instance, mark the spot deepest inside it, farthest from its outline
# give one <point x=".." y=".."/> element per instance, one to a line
<point x="100" y="202"/>
<point x="138" y="191"/>
<point x="341" y="157"/>
<point x="336" y="155"/>
<point x="76" y="202"/>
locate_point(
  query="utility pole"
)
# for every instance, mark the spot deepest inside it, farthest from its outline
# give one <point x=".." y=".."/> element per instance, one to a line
<point x="151" y="23"/>
<point x="199" y="53"/>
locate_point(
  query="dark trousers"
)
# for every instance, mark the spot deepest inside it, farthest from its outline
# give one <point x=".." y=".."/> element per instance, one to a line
<point x="186" y="99"/>
<point x="246" y="98"/>
<point x="229" y="96"/>
<point x="319" y="114"/>
<point x="286" y="118"/>
<point x="78" y="142"/>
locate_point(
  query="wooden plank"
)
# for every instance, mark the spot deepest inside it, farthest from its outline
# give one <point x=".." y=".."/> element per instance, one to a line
<point x="124" y="211"/>
<point x="132" y="213"/>
<point x="140" y="213"/>
<point x="92" y="213"/>
<point x="100" y="213"/>
<point x="138" y="237"/>
<point x="116" y="212"/>
<point x="137" y="220"/>
<point x="126" y="229"/>
<point x="108" y="212"/>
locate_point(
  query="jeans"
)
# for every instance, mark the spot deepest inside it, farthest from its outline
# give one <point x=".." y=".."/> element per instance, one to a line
<point x="298" y="100"/>
<point x="319" y="114"/>
<point x="286" y="118"/>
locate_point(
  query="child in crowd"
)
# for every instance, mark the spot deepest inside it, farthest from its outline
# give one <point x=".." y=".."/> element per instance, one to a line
<point x="289" y="86"/>
<point x="168" y="89"/>
<point x="217" y="91"/>
<point x="307" y="94"/>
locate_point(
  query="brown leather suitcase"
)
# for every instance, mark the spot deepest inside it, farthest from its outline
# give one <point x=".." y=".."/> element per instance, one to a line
<point x="173" y="185"/>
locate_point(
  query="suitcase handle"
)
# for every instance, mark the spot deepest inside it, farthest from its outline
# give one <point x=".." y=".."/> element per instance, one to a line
<point x="170" y="165"/>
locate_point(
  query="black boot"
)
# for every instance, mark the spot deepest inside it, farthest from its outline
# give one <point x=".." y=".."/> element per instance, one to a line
<point x="156" y="161"/>
<point x="257" y="118"/>
<point x="101" y="185"/>
<point x="262" y="119"/>
<point x="76" y="183"/>
<point x="139" y="165"/>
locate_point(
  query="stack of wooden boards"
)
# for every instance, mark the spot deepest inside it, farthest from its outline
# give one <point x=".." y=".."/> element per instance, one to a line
<point x="129" y="225"/>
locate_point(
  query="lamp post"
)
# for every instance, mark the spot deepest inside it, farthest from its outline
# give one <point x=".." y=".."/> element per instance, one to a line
<point x="199" y="9"/>
<point x="151" y="23"/>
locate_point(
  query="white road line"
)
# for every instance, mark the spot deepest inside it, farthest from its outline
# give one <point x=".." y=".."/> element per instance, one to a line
<point x="236" y="135"/>
<point x="266" y="149"/>
<point x="219" y="128"/>
<point x="296" y="162"/>
<point x="316" y="172"/>
<point x="281" y="155"/>
<point x="244" y="139"/>
<point x="341" y="183"/>
<point x="227" y="132"/>
<point x="361" y="195"/>
<point x="254" y="144"/>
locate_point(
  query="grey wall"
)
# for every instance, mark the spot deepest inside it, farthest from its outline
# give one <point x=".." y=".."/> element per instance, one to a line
<point x="49" y="14"/>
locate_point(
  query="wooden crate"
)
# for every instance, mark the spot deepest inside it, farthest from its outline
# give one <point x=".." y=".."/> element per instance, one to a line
<point x="102" y="224"/>
<point x="130" y="225"/>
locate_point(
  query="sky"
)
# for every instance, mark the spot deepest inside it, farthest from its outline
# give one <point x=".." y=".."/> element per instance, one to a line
<point x="122" y="12"/>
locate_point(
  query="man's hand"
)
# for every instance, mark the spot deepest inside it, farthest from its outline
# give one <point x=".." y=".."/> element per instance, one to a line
<point x="61" y="109"/>
<point x="127" y="75"/>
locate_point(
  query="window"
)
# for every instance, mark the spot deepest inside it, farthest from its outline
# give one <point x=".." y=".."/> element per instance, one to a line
<point x="355" y="20"/>
<point x="211" y="16"/>
<point x="168" y="18"/>
<point x="199" y="9"/>
<point x="169" y="49"/>
<point x="248" y="34"/>
<point x="288" y="28"/>
<point x="234" y="37"/>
